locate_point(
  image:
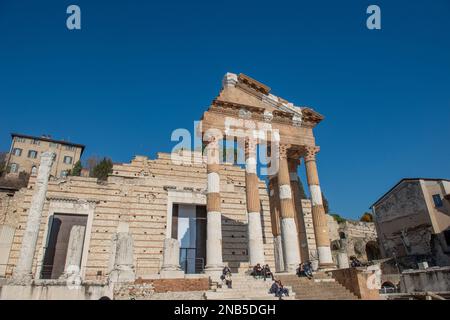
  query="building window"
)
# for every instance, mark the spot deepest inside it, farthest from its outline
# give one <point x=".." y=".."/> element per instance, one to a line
<point x="63" y="174"/>
<point x="70" y="148"/>
<point x="36" y="142"/>
<point x="53" y="145"/>
<point x="68" y="160"/>
<point x="17" y="152"/>
<point x="33" y="170"/>
<point x="32" y="154"/>
<point x="21" y="140"/>
<point x="14" y="168"/>
<point x="437" y="200"/>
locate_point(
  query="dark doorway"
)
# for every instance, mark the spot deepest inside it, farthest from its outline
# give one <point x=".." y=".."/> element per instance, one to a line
<point x="59" y="227"/>
<point x="189" y="228"/>
<point x="372" y="251"/>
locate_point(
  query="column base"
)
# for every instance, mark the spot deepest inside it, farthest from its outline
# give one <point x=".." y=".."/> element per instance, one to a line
<point x="122" y="274"/>
<point x="171" y="274"/>
<point x="214" y="272"/>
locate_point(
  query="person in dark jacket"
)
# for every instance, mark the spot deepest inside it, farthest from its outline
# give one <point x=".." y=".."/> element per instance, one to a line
<point x="267" y="272"/>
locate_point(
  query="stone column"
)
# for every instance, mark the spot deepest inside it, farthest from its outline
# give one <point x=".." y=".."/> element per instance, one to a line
<point x="22" y="272"/>
<point x="299" y="219"/>
<point x="74" y="253"/>
<point x="288" y="228"/>
<point x="214" y="263"/>
<point x="171" y="259"/>
<point x="123" y="258"/>
<point x="318" y="211"/>
<point x="255" y="236"/>
<point x="342" y="257"/>
<point x="275" y="222"/>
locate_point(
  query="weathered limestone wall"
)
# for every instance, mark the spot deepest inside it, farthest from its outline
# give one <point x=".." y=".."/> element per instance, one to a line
<point x="403" y="221"/>
<point x="55" y="291"/>
<point x="10" y="207"/>
<point x="357" y="235"/>
<point x="136" y="194"/>
<point x="358" y="281"/>
<point x="432" y="279"/>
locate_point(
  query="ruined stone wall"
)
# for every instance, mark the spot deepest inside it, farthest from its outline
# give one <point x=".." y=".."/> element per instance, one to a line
<point x="10" y="207"/>
<point x="136" y="194"/>
<point x="357" y="234"/>
<point x="403" y="221"/>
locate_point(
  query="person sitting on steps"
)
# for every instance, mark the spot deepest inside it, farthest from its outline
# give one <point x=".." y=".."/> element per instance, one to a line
<point x="226" y="275"/>
<point x="281" y="290"/>
<point x="355" y="263"/>
<point x="307" y="270"/>
<point x="257" y="271"/>
<point x="267" y="272"/>
<point x="274" y="288"/>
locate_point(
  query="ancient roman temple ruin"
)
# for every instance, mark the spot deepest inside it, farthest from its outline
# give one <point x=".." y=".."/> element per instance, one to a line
<point x="183" y="215"/>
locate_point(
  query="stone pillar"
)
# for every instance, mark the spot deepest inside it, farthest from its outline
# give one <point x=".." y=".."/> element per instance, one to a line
<point x="320" y="221"/>
<point x="123" y="258"/>
<point x="342" y="257"/>
<point x="275" y="222"/>
<point x="171" y="259"/>
<point x="288" y="228"/>
<point x="255" y="236"/>
<point x="297" y="200"/>
<point x="214" y="263"/>
<point x="74" y="254"/>
<point x="23" y="270"/>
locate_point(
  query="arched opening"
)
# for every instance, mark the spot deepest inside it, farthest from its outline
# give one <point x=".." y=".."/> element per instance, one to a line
<point x="342" y="235"/>
<point x="372" y="251"/>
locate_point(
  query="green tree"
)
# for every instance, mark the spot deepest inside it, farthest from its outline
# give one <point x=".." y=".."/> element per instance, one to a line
<point x="337" y="217"/>
<point x="76" y="171"/>
<point x="366" y="217"/>
<point x="102" y="169"/>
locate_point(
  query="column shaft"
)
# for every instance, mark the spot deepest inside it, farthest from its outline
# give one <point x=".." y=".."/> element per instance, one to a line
<point x="320" y="220"/>
<point x="275" y="222"/>
<point x="214" y="261"/>
<point x="23" y="270"/>
<point x="288" y="226"/>
<point x="255" y="236"/>
<point x="299" y="219"/>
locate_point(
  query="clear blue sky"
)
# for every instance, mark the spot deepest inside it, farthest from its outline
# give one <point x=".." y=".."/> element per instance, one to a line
<point x="139" y="69"/>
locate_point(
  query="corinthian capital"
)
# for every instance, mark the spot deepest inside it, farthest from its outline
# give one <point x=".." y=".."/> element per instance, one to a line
<point x="310" y="152"/>
<point x="284" y="148"/>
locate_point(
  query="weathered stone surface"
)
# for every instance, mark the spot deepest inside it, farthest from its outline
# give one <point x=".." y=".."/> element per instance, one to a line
<point x="23" y="270"/>
<point x="72" y="268"/>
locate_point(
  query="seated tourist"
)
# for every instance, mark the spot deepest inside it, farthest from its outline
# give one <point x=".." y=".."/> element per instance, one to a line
<point x="354" y="262"/>
<point x="267" y="272"/>
<point x="257" y="271"/>
<point x="300" y="271"/>
<point x="226" y="276"/>
<point x="282" y="290"/>
<point x="307" y="270"/>
<point x="274" y="288"/>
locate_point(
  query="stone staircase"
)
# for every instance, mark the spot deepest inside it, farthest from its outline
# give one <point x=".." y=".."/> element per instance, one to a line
<point x="322" y="287"/>
<point x="246" y="287"/>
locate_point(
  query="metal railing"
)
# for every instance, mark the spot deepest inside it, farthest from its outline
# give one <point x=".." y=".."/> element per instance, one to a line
<point x="199" y="263"/>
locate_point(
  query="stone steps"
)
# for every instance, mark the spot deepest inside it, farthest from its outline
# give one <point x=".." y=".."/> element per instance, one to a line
<point x="321" y="287"/>
<point x="246" y="288"/>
